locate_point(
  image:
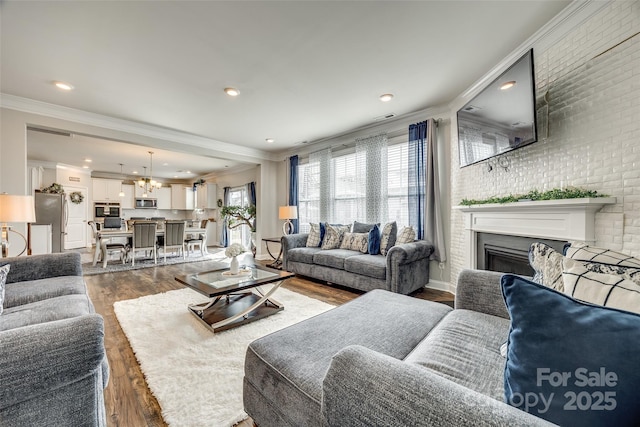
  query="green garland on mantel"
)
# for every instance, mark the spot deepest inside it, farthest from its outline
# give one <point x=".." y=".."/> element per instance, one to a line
<point x="535" y="195"/>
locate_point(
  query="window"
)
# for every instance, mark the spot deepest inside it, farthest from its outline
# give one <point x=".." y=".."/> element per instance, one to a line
<point x="242" y="234"/>
<point x="348" y="189"/>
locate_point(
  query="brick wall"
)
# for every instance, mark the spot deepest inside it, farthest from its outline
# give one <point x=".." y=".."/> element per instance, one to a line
<point x="592" y="77"/>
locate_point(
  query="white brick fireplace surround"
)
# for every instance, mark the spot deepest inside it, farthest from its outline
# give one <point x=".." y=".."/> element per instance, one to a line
<point x="565" y="220"/>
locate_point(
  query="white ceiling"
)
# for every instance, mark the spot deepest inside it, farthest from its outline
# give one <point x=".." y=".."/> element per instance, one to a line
<point x="306" y="70"/>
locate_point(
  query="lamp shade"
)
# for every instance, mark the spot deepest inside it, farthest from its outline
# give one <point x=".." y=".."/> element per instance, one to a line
<point x="15" y="208"/>
<point x="288" y="212"/>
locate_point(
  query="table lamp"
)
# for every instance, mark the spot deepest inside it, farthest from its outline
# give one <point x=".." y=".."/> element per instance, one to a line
<point x="288" y="213"/>
<point x="15" y="208"/>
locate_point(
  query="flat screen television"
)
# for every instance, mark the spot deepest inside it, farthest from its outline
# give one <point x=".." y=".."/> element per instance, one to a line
<point x="502" y="117"/>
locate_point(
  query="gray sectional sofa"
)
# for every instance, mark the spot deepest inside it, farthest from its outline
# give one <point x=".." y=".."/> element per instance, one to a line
<point x="389" y="360"/>
<point x="53" y="365"/>
<point x="403" y="270"/>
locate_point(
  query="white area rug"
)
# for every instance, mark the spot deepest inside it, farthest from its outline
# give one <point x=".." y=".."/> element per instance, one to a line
<point x="197" y="375"/>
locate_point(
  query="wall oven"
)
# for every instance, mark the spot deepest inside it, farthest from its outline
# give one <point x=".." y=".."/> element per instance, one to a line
<point x="105" y="210"/>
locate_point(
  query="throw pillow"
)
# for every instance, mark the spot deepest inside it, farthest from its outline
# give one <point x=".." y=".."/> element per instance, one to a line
<point x="4" y="271"/>
<point x="569" y="362"/>
<point x="604" y="261"/>
<point x="333" y="236"/>
<point x="355" y="242"/>
<point x="374" y="240"/>
<point x="547" y="265"/>
<point x="584" y="252"/>
<point x="388" y="237"/>
<point x="406" y="235"/>
<point x="361" y="227"/>
<point x="315" y="236"/>
<point x="603" y="289"/>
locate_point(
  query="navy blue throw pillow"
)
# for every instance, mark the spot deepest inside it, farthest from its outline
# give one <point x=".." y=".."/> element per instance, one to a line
<point x="322" y="230"/>
<point x="570" y="362"/>
<point x="374" y="240"/>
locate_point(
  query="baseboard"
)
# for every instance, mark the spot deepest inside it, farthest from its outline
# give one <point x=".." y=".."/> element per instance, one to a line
<point x="441" y="286"/>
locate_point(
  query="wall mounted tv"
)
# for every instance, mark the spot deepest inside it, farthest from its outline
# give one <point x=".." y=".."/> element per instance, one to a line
<point x="502" y="117"/>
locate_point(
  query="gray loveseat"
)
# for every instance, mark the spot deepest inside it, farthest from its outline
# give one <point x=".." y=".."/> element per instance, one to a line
<point x="53" y="365"/>
<point x="404" y="269"/>
<point x="389" y="360"/>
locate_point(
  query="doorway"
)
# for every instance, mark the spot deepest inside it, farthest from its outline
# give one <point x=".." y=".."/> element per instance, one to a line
<point x="75" y="218"/>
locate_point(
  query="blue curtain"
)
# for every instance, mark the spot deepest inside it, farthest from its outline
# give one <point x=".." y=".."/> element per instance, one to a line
<point x="224" y="240"/>
<point x="293" y="188"/>
<point x="417" y="138"/>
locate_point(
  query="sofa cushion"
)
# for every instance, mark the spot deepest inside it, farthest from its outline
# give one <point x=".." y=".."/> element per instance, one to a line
<point x="316" y="233"/>
<point x="465" y="348"/>
<point x="58" y="308"/>
<point x="288" y="366"/>
<point x="374" y="240"/>
<point x="302" y="255"/>
<point x="406" y="235"/>
<point x="388" y="237"/>
<point x="20" y="293"/>
<point x="356" y="242"/>
<point x="547" y="265"/>
<point x="603" y="289"/>
<point x="361" y="227"/>
<point x="333" y="258"/>
<point x="4" y="270"/>
<point x="583" y="252"/>
<point x="582" y="358"/>
<point x="367" y="265"/>
<point x="333" y="236"/>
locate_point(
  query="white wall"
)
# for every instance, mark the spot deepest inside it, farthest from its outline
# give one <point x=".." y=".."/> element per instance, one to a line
<point x="592" y="75"/>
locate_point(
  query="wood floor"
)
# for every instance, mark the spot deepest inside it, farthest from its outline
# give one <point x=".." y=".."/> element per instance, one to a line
<point x="128" y="400"/>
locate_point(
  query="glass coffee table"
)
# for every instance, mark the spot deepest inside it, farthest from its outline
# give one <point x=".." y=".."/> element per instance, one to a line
<point x="235" y="299"/>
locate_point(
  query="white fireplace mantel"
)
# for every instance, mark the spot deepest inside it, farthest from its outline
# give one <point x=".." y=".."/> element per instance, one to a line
<point x="566" y="219"/>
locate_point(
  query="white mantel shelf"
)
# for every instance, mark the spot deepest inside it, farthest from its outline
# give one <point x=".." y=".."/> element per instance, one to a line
<point x="595" y="204"/>
<point x="565" y="219"/>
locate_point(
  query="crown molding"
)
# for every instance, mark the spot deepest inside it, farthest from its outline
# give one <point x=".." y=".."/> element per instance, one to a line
<point x="32" y="106"/>
<point x="552" y="32"/>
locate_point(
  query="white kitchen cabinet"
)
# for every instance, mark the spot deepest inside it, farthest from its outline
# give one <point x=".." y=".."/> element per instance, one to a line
<point x="106" y="190"/>
<point x="212" y="196"/>
<point x="182" y="197"/>
<point x="128" y="201"/>
<point x="164" y="197"/>
<point x="201" y="196"/>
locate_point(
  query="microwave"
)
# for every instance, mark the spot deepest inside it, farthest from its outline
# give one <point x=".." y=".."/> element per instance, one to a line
<point x="146" y="203"/>
<point x="106" y="210"/>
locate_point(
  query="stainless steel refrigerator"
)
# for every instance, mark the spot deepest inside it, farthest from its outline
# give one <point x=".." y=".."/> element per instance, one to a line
<point x="52" y="209"/>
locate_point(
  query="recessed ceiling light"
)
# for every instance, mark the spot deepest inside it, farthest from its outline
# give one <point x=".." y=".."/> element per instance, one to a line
<point x="386" y="97"/>
<point x="88" y="160"/>
<point x="135" y="172"/>
<point x="507" y="85"/>
<point x="270" y="140"/>
<point x="63" y="85"/>
<point x="85" y="167"/>
<point x="188" y="171"/>
<point x="231" y="91"/>
<point x="175" y="176"/>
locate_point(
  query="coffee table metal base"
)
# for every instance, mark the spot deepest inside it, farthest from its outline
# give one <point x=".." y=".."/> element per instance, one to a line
<point x="236" y="309"/>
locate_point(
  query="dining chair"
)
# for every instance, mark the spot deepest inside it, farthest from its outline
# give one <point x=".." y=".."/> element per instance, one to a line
<point x="143" y="239"/>
<point x="104" y="247"/>
<point x="174" y="237"/>
<point x="200" y="239"/>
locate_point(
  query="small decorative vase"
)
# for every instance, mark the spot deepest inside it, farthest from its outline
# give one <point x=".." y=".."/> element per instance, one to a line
<point x="234" y="267"/>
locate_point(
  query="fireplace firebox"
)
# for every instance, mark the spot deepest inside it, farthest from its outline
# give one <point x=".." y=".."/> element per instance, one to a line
<point x="508" y="254"/>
